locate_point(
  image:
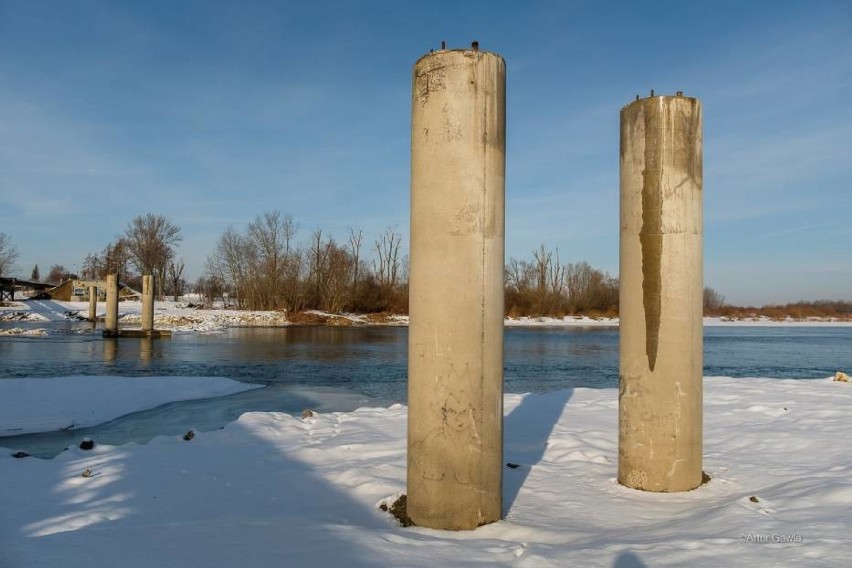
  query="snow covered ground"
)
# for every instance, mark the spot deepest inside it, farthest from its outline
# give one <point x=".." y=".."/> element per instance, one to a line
<point x="271" y="489"/>
<point x="177" y="317"/>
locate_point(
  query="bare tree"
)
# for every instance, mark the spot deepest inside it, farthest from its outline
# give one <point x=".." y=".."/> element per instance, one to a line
<point x="57" y="274"/>
<point x="331" y="268"/>
<point x="92" y="267"/>
<point x="336" y="287"/>
<point x="271" y="237"/>
<point x="231" y="265"/>
<point x="542" y="260"/>
<point x="590" y="289"/>
<point x="116" y="259"/>
<point x="387" y="264"/>
<point x="294" y="294"/>
<point x="557" y="276"/>
<point x="354" y="243"/>
<point x="259" y="265"/>
<point x="317" y="264"/>
<point x="151" y="240"/>
<point x="176" y="277"/>
<point x="520" y="277"/>
<point x="713" y="300"/>
<point x="210" y="288"/>
<point x="8" y="254"/>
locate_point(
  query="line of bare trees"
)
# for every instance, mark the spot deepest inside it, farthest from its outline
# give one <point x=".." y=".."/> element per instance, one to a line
<point x="265" y="268"/>
<point x="544" y="285"/>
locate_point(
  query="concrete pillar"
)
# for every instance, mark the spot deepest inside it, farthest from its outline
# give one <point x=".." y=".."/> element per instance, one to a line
<point x="111" y="320"/>
<point x="455" y="336"/>
<point x="661" y="293"/>
<point x="93" y="304"/>
<point x="147" y="303"/>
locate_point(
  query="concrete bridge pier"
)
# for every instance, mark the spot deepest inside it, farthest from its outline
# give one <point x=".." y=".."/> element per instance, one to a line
<point x="93" y="304"/>
<point x="455" y="345"/>
<point x="147" y="303"/>
<point x="111" y="320"/>
<point x="661" y="295"/>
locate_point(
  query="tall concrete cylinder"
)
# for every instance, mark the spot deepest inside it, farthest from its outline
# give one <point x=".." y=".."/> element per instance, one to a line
<point x="93" y="303"/>
<point x="147" y="303"/>
<point x="661" y="294"/>
<point x="455" y="336"/>
<point x="111" y="319"/>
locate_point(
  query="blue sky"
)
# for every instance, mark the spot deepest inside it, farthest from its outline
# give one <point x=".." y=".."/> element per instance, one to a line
<point x="214" y="112"/>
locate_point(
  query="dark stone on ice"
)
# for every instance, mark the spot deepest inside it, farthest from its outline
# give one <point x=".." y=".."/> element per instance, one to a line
<point x="189" y="436"/>
<point x="20" y="455"/>
<point x="87" y="444"/>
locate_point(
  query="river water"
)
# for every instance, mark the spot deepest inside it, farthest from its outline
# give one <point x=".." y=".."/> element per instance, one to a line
<point x="339" y="369"/>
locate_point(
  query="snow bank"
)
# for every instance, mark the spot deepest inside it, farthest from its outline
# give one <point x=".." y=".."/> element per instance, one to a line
<point x="178" y="318"/>
<point x="38" y="332"/>
<point x="567" y="321"/>
<point x="271" y="489"/>
<point x="43" y="405"/>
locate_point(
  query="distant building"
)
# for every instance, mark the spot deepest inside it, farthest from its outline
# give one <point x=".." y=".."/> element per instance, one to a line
<point x="10" y="286"/>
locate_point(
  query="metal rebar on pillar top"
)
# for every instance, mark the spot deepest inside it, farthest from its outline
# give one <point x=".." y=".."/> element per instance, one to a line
<point x="455" y="345"/>
<point x="661" y="295"/>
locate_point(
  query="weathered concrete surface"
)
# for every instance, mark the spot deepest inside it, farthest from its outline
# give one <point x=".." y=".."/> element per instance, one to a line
<point x="111" y="320"/>
<point x="93" y="303"/>
<point x="455" y="349"/>
<point x="147" y="303"/>
<point x="661" y="293"/>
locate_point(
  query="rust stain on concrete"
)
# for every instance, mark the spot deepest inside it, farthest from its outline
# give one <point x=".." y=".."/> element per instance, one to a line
<point x="651" y="235"/>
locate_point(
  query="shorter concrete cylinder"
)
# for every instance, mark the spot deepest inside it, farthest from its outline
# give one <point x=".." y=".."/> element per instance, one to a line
<point x="93" y="304"/>
<point x="661" y="293"/>
<point x="147" y="303"/>
<point x="111" y="321"/>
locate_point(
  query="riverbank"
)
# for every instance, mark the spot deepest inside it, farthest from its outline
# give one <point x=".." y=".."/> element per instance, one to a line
<point x="272" y="487"/>
<point x="179" y="317"/>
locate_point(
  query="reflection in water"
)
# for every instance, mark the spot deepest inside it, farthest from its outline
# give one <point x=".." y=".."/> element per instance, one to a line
<point x="110" y="350"/>
<point x="146" y="350"/>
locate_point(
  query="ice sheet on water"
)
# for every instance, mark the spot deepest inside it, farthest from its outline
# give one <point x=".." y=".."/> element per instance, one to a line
<point x="64" y="403"/>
